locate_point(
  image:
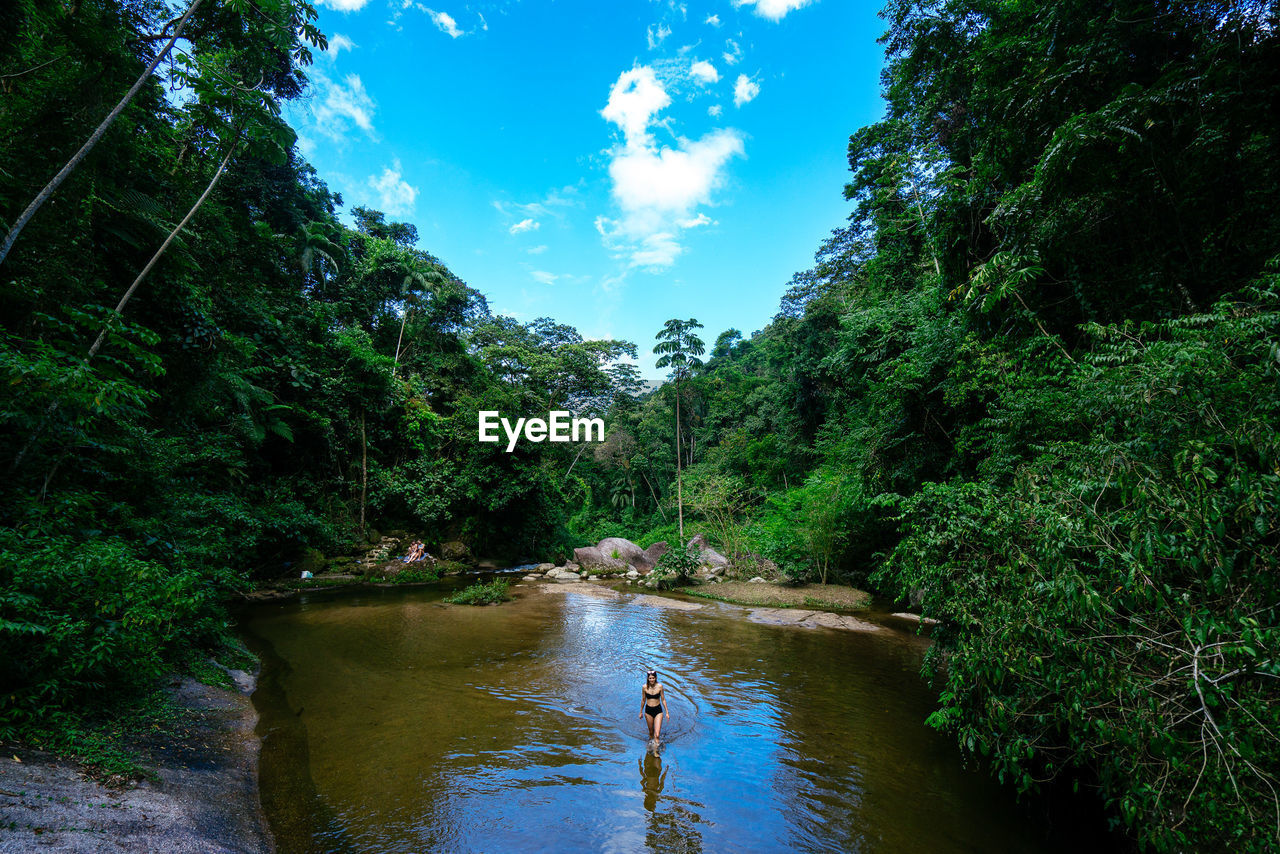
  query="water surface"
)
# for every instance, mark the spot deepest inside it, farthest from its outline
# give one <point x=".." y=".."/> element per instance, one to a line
<point x="393" y="722"/>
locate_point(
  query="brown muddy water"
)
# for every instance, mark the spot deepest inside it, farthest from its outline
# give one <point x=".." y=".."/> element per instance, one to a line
<point x="392" y="722"/>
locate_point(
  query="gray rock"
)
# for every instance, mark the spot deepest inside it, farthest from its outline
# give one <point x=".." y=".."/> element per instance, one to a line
<point x="811" y="619"/>
<point x="757" y="580"/>
<point x="633" y="573"/>
<point x="591" y="557"/>
<point x="915" y="618"/>
<point x="622" y="549"/>
<point x="543" y="567"/>
<point x="456" y="550"/>
<point x="710" y="557"/>
<point x="651" y="555"/>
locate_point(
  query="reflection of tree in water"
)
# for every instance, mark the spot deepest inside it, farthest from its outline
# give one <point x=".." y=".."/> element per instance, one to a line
<point x="674" y="830"/>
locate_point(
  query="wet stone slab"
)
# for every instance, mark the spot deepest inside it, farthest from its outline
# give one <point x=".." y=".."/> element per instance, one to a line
<point x="810" y="619"/>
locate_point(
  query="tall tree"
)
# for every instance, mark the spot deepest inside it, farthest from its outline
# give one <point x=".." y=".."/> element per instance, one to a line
<point x="679" y="348"/>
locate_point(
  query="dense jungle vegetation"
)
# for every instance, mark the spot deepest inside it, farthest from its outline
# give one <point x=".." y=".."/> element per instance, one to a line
<point x="1032" y="385"/>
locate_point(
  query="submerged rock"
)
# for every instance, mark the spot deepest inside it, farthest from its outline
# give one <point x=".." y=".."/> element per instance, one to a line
<point x="915" y="618"/>
<point x="811" y="619"/>
<point x="664" y="602"/>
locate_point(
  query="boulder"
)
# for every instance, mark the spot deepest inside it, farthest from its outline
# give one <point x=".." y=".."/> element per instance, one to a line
<point x="628" y="552"/>
<point x="590" y="557"/>
<point x="710" y="557"/>
<point x="651" y="556"/>
<point x="617" y="547"/>
<point x="757" y="580"/>
<point x="633" y="574"/>
<point x="544" y="567"/>
<point x="456" y="550"/>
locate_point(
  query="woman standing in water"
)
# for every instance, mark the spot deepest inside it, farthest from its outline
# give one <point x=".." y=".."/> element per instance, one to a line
<point x="654" y="708"/>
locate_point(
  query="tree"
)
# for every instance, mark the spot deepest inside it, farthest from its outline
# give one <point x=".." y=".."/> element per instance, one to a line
<point x="679" y="348"/>
<point x="80" y="155"/>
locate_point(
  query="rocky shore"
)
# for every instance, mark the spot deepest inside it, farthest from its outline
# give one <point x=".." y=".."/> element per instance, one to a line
<point x="203" y="798"/>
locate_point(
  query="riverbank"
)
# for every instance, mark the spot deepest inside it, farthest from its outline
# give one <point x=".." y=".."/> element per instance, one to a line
<point x="201" y="797"/>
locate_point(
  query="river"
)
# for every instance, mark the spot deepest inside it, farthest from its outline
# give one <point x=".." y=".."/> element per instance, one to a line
<point x="392" y="722"/>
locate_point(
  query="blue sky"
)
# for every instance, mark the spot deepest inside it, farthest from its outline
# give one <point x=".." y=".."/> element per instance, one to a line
<point x="611" y="164"/>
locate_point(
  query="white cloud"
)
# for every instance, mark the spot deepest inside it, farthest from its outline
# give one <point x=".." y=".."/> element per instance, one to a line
<point x="744" y="90"/>
<point x="657" y="188"/>
<point x="633" y="101"/>
<point x="484" y="25"/>
<point x="704" y="72"/>
<point x="537" y="250"/>
<point x="444" y="22"/>
<point x="551" y="205"/>
<point x="700" y="220"/>
<point x="338" y="106"/>
<point x="713" y="20"/>
<point x="339" y="43"/>
<point x="657" y="34"/>
<point x="715" y="110"/>
<point x="733" y="52"/>
<point x="395" y="195"/>
<point x="774" y="10"/>
<point x="344" y="5"/>
<point x="525" y="225"/>
<point x="543" y="276"/>
<point x="652" y="182"/>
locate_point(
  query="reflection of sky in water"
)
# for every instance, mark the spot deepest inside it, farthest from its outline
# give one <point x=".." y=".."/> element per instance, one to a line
<point x="518" y="728"/>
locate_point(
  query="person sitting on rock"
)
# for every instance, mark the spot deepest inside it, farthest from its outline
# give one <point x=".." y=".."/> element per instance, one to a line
<point x="415" y="552"/>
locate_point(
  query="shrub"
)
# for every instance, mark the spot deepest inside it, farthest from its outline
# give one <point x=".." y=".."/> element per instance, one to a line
<point x="481" y="594"/>
<point x="1112" y="602"/>
<point x="675" y="568"/>
<point x="81" y="618"/>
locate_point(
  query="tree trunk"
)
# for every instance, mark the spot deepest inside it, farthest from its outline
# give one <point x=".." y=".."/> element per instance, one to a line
<point x="656" y="502"/>
<point x="364" y="471"/>
<point x="679" y="484"/>
<point x="222" y="167"/>
<point x="80" y="155"/>
<point x="396" y="360"/>
<point x="124" y="300"/>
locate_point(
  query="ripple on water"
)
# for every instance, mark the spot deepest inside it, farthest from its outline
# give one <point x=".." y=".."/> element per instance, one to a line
<point x="396" y="724"/>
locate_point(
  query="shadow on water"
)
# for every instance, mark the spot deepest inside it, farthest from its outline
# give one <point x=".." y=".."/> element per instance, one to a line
<point x="393" y="722"/>
<point x="287" y="792"/>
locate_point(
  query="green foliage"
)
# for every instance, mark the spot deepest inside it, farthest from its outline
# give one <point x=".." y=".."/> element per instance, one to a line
<point x="250" y="409"/>
<point x="1114" y="605"/>
<point x="675" y="568"/>
<point x="77" y="618"/>
<point x="492" y="593"/>
<point x="417" y="574"/>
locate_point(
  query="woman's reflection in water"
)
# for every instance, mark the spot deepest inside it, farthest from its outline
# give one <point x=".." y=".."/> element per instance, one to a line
<point x="653" y="777"/>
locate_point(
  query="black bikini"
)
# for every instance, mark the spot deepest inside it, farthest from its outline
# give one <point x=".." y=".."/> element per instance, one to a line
<point x="652" y="711"/>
